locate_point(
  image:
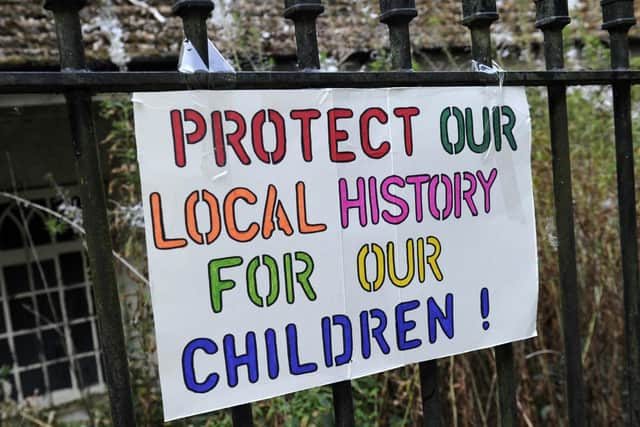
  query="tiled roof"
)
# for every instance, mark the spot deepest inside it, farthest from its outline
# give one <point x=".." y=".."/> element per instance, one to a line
<point x="121" y="30"/>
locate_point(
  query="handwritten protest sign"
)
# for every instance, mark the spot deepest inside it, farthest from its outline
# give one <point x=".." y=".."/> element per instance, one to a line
<point x="302" y="237"/>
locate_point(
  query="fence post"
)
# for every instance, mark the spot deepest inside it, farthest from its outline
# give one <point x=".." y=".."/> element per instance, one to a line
<point x="618" y="17"/>
<point x="430" y="393"/>
<point x="194" y="14"/>
<point x="94" y="214"/>
<point x="397" y="14"/>
<point x="304" y="14"/>
<point x="551" y="17"/>
<point x="478" y="15"/>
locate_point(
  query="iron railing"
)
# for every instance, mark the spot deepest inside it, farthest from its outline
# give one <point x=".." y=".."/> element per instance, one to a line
<point x="552" y="15"/>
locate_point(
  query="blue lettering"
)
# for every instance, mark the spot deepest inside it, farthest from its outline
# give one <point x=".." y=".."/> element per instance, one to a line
<point x="295" y="367"/>
<point x="376" y="332"/>
<point x="273" y="366"/>
<point x="347" y="339"/>
<point x="445" y="321"/>
<point x="365" y="338"/>
<point x="188" y="373"/>
<point x="233" y="361"/>
<point x="403" y="326"/>
<point x="326" y="342"/>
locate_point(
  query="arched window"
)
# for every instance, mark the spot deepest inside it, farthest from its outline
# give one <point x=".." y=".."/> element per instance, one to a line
<point x="48" y="338"/>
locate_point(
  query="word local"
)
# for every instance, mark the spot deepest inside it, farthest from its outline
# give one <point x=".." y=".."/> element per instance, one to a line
<point x="272" y="211"/>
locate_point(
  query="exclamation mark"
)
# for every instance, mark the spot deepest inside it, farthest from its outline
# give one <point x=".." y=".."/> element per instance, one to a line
<point x="484" y="307"/>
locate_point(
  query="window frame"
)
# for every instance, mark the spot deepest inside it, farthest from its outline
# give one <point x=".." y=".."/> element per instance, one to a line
<point x="41" y="253"/>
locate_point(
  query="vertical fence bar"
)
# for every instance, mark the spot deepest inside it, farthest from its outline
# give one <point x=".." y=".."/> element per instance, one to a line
<point x="506" y="384"/>
<point x="194" y="14"/>
<point x="551" y="17"/>
<point x="430" y="394"/>
<point x="478" y="15"/>
<point x="618" y="17"/>
<point x="94" y="214"/>
<point x="304" y="13"/>
<point x="242" y="415"/>
<point x="343" y="404"/>
<point x="397" y="14"/>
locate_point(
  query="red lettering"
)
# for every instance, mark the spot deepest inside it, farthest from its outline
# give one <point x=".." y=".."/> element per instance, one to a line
<point x="337" y="135"/>
<point x="305" y="117"/>
<point x="257" y="126"/>
<point x="177" y="129"/>
<point x="218" y="143"/>
<point x="256" y="129"/>
<point x="234" y="139"/>
<point x="365" y="121"/>
<point x="178" y="138"/>
<point x="281" y="141"/>
<point x="407" y="113"/>
<point x="200" y="126"/>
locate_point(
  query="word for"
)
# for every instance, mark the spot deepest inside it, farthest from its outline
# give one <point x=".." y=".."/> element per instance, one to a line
<point x="273" y="213"/>
<point x="371" y="198"/>
<point x="222" y="138"/>
<point x="490" y="128"/>
<point x="385" y="263"/>
<point x="217" y="284"/>
<point x="370" y="330"/>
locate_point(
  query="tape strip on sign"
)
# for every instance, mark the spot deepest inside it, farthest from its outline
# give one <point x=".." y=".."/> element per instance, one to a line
<point x="301" y="237"/>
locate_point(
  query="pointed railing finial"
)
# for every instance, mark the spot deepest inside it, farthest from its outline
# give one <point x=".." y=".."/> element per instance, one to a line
<point x="194" y="14"/>
<point x="397" y="14"/>
<point x="304" y="13"/>
<point x="478" y="15"/>
<point x="551" y="17"/>
<point x="617" y="18"/>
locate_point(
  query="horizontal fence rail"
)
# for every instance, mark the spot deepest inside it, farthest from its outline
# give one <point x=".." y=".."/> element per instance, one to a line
<point x="78" y="84"/>
<point x="153" y="81"/>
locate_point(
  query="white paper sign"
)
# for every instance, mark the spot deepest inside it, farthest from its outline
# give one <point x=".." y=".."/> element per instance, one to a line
<point x="302" y="237"/>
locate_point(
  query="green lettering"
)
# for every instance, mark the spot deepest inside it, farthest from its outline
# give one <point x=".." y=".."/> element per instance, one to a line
<point x="486" y="126"/>
<point x="444" y="130"/>
<point x="216" y="284"/>
<point x="507" y="129"/>
<point x="303" y="276"/>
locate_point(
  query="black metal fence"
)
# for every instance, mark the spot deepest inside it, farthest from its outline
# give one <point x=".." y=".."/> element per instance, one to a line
<point x="552" y="16"/>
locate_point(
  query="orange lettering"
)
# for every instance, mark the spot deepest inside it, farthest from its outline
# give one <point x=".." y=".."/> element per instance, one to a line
<point x="301" y="201"/>
<point x="159" y="238"/>
<point x="230" y="219"/>
<point x="274" y="205"/>
<point x="212" y="201"/>
<point x="190" y="216"/>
